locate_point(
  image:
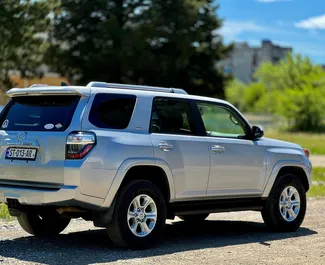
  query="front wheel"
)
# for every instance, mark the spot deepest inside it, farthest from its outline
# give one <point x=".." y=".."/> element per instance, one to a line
<point x="46" y="223"/>
<point x="139" y="216"/>
<point x="286" y="206"/>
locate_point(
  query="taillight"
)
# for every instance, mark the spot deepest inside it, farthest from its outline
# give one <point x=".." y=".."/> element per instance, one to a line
<point x="79" y="144"/>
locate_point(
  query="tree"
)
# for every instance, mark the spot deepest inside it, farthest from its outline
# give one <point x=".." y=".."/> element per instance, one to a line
<point x="294" y="89"/>
<point x="159" y="42"/>
<point x="22" y="43"/>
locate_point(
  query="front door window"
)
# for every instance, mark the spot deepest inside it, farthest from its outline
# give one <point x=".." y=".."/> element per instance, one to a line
<point x="220" y="122"/>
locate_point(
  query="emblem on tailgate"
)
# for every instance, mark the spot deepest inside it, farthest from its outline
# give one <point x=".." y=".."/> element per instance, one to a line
<point x="21" y="136"/>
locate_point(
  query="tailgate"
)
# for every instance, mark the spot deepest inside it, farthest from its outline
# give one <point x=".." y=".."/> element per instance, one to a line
<point x="33" y="137"/>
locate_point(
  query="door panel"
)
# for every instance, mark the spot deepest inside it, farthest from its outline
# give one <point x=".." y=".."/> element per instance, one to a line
<point x="237" y="163"/>
<point x="237" y="169"/>
<point x="175" y="140"/>
<point x="188" y="158"/>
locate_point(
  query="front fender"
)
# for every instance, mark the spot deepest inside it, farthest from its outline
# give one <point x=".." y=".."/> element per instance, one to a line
<point x="286" y="163"/>
<point x="132" y="162"/>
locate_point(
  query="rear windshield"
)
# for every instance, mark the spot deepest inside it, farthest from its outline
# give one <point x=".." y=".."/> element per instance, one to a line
<point x="39" y="113"/>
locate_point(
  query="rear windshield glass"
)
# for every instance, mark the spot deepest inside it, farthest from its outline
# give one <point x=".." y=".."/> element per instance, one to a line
<point x="39" y="113"/>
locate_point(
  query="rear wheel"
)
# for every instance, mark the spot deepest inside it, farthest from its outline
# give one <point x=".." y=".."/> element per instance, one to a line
<point x="139" y="216"/>
<point x="194" y="217"/>
<point x="47" y="223"/>
<point x="286" y="206"/>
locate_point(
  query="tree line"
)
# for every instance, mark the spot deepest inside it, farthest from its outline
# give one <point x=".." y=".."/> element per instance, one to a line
<point x="293" y="90"/>
<point x="173" y="43"/>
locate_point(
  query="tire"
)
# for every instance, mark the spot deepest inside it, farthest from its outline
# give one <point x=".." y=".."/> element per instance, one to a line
<point x="44" y="224"/>
<point x="271" y="212"/>
<point x="119" y="229"/>
<point x="194" y="218"/>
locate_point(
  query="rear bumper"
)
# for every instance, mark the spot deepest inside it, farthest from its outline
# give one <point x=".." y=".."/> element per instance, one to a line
<point x="65" y="196"/>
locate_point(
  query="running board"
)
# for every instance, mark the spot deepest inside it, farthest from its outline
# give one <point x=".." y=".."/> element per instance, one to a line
<point x="216" y="206"/>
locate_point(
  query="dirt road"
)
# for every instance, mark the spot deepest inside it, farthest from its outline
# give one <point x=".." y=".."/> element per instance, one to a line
<point x="231" y="238"/>
<point x="318" y="160"/>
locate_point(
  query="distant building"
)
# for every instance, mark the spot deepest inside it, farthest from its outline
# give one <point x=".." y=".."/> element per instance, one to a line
<point x="244" y="60"/>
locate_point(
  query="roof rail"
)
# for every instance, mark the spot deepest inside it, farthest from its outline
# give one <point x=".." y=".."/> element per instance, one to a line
<point x="137" y="87"/>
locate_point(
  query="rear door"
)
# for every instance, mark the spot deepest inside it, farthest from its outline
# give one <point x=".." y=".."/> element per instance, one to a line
<point x="33" y="133"/>
<point x="175" y="141"/>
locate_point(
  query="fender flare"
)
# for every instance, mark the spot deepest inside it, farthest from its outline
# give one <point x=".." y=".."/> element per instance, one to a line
<point x="130" y="163"/>
<point x="275" y="171"/>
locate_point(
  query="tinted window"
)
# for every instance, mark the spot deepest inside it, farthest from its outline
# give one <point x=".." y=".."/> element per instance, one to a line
<point x="171" y="116"/>
<point x="112" y="111"/>
<point x="219" y="121"/>
<point x="39" y="113"/>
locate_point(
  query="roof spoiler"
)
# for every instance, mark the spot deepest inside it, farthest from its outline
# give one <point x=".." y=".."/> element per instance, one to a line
<point x="46" y="90"/>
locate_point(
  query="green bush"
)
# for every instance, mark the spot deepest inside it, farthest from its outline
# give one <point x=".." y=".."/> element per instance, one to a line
<point x="4" y="214"/>
<point x="294" y="89"/>
<point x="303" y="109"/>
<point x="234" y="93"/>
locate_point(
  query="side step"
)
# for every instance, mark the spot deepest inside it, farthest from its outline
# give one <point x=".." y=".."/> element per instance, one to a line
<point x="216" y="206"/>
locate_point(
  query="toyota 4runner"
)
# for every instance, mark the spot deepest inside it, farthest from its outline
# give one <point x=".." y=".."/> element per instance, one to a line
<point x="129" y="157"/>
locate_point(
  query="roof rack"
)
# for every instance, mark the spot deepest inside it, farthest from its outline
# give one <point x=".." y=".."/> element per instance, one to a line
<point x="137" y="87"/>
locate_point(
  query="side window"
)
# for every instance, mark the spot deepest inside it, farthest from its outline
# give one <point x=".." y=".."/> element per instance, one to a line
<point x="220" y="122"/>
<point x="112" y="111"/>
<point x="171" y="116"/>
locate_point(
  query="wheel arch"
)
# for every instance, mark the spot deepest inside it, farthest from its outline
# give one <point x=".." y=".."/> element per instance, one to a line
<point x="298" y="171"/>
<point x="154" y="174"/>
<point x="156" y="171"/>
<point x="288" y="167"/>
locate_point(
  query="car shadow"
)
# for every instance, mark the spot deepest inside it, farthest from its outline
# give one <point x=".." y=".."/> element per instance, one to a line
<point x="93" y="246"/>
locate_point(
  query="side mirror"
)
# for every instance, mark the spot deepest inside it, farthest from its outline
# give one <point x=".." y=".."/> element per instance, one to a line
<point x="257" y="132"/>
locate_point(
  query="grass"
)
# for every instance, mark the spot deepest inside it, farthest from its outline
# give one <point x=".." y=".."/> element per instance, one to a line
<point x="319" y="174"/>
<point x="317" y="190"/>
<point x="314" y="142"/>
<point x="4" y="214"/>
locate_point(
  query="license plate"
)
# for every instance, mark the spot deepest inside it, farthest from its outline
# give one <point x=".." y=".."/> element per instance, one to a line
<point x="21" y="153"/>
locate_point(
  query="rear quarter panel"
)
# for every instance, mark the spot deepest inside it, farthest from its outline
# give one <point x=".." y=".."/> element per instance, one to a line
<point x="114" y="148"/>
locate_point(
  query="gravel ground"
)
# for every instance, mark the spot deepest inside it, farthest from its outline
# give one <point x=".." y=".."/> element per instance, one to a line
<point x="230" y="238"/>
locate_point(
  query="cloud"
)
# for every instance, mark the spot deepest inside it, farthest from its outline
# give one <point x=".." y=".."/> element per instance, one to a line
<point x="272" y="1"/>
<point x="312" y="23"/>
<point x="231" y="29"/>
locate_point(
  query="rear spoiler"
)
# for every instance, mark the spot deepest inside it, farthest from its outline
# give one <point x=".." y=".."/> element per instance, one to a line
<point x="48" y="90"/>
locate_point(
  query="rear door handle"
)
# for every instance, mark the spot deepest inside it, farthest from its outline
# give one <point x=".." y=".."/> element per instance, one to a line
<point x="165" y="147"/>
<point x="217" y="149"/>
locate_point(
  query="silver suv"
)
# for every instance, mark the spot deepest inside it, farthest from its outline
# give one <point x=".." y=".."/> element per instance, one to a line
<point x="129" y="157"/>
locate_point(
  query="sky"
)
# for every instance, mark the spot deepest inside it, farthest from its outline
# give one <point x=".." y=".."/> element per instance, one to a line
<point x="299" y="24"/>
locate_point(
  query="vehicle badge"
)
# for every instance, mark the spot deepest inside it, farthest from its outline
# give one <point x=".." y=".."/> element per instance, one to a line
<point x="21" y="136"/>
